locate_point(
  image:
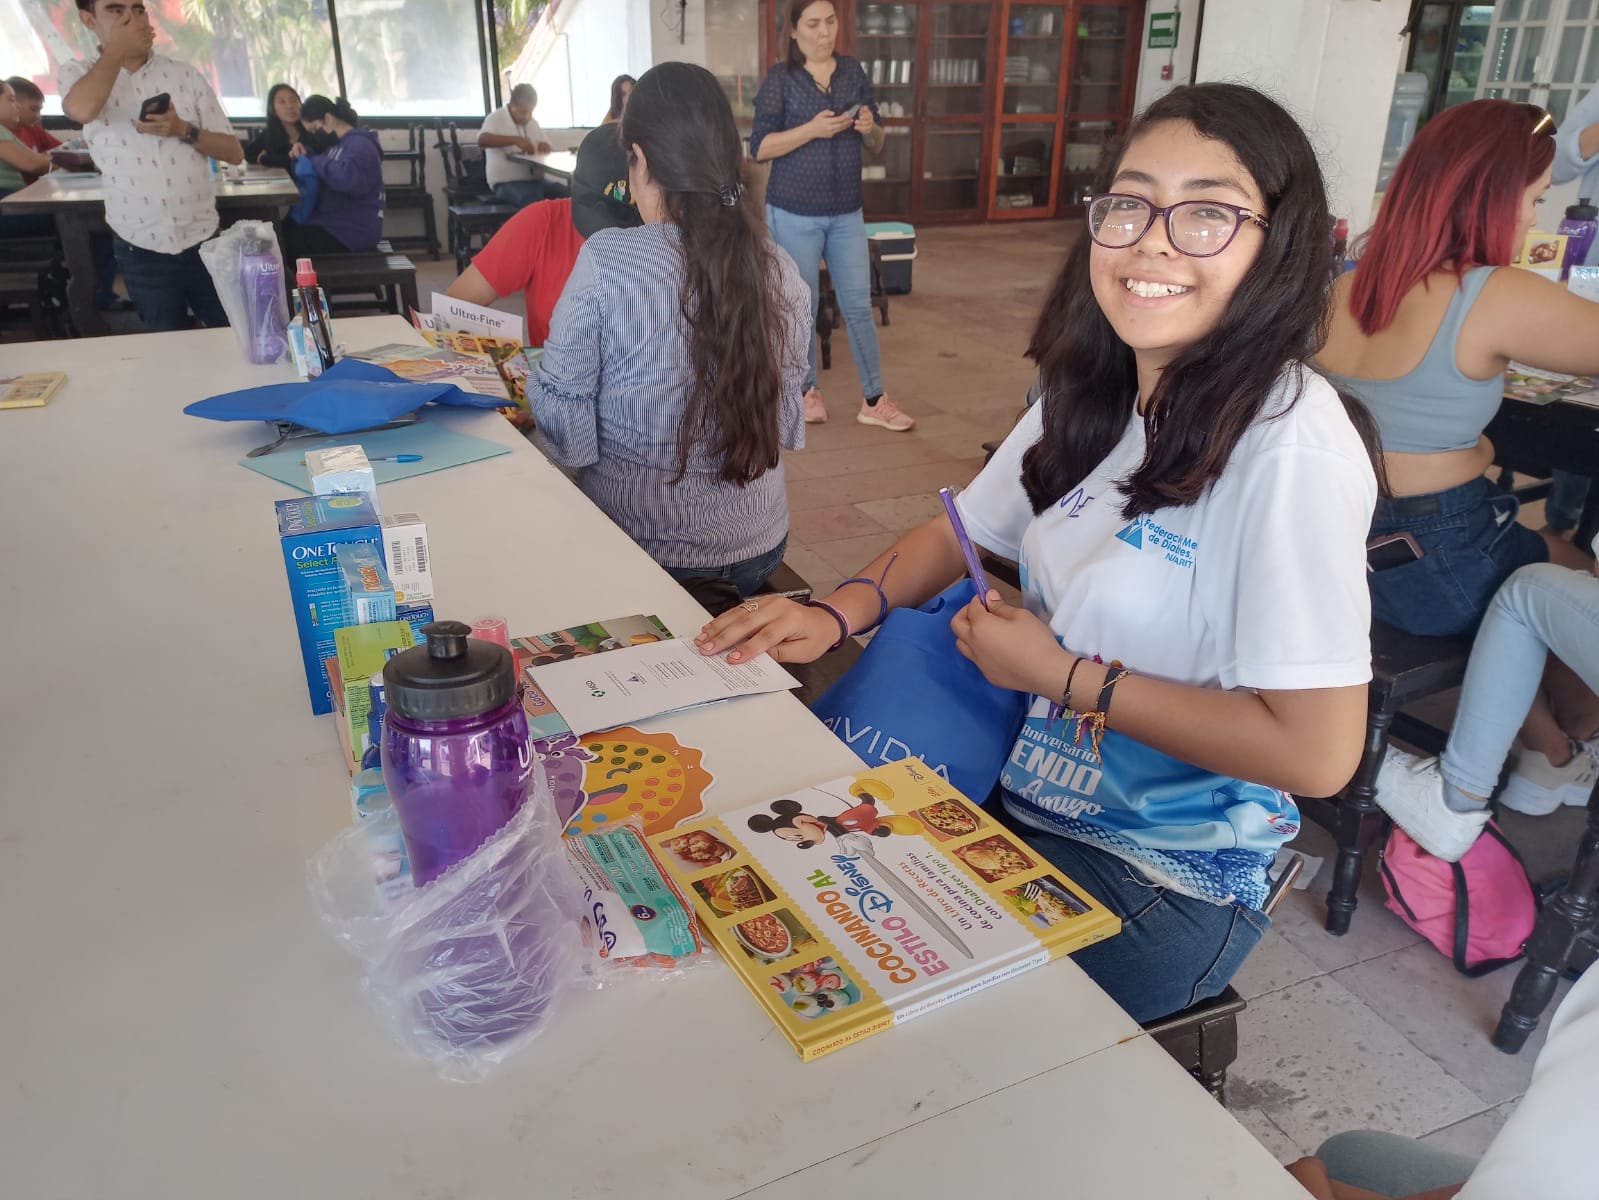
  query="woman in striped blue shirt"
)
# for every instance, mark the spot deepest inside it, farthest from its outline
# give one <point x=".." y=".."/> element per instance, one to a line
<point x="672" y="374"/>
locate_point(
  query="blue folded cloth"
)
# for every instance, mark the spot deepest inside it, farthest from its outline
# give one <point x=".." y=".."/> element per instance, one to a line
<point x="349" y="395"/>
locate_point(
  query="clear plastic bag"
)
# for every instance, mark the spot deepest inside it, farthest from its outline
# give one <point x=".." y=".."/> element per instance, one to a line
<point x="246" y="267"/>
<point x="468" y="969"/>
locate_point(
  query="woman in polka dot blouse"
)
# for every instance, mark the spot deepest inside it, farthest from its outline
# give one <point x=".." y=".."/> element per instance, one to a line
<point x="812" y="115"/>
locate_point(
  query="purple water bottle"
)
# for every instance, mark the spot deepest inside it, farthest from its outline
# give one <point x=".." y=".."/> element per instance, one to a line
<point x="455" y="745"/>
<point x="1580" y="225"/>
<point x="261" y="281"/>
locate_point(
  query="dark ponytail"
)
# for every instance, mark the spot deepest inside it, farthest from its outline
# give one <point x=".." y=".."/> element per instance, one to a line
<point x="732" y="287"/>
<point x="314" y="108"/>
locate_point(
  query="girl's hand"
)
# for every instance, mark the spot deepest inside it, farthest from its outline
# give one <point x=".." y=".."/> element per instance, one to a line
<point x="827" y="124"/>
<point x="793" y="632"/>
<point x="298" y="150"/>
<point x="1011" y="647"/>
<point x="864" y="124"/>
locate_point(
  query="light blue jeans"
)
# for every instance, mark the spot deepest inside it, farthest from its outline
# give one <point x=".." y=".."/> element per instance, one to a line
<point x="841" y="240"/>
<point x="1540" y="608"/>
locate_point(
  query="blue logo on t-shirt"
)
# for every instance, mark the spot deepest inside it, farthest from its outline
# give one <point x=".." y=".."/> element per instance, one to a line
<point x="1178" y="548"/>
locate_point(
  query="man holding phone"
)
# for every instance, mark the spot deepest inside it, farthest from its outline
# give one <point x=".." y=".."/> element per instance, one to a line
<point x="152" y="124"/>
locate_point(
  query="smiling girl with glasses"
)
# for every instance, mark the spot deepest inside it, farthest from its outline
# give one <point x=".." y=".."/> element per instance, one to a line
<point x="1188" y="505"/>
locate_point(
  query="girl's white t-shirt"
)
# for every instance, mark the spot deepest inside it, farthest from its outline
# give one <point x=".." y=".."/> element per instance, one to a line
<point x="1260" y="583"/>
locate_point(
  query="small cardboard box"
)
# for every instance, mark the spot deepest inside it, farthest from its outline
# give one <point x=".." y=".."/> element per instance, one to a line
<point x="310" y="528"/>
<point x="341" y="470"/>
<point x="368" y="594"/>
<point x="405" y="550"/>
<point x="362" y="650"/>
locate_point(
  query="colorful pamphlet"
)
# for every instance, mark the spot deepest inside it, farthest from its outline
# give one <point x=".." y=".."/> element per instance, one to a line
<point x="1542" y="252"/>
<point x="860" y="903"/>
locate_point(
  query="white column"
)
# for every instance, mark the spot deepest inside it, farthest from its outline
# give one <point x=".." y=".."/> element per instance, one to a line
<point x="1331" y="62"/>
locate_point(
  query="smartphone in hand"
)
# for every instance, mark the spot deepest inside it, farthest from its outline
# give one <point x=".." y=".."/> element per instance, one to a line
<point x="974" y="565"/>
<point x="154" y="106"/>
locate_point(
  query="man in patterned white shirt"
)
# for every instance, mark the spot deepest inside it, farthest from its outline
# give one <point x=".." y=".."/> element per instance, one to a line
<point x="160" y="195"/>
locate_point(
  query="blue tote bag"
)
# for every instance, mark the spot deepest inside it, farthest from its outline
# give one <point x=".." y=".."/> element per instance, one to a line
<point x="914" y="693"/>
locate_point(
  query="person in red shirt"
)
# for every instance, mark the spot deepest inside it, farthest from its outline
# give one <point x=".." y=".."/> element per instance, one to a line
<point x="29" y="129"/>
<point x="535" y="250"/>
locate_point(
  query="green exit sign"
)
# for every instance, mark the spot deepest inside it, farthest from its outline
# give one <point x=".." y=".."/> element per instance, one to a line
<point x="1163" y="30"/>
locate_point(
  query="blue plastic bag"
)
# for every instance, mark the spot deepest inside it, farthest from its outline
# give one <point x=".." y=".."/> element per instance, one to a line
<point x="349" y="395"/>
<point x="914" y="693"/>
<point x="310" y="185"/>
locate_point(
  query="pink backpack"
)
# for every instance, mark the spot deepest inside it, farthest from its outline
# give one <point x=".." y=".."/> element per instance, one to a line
<point x="1478" y="911"/>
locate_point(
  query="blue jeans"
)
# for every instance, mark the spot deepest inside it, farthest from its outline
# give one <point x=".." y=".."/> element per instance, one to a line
<point x="841" y="240"/>
<point x="1541" y="608"/>
<point x="1470" y="542"/>
<point x="1173" y="950"/>
<point x="747" y="574"/>
<point x="1563" y="509"/>
<point x="1391" y="1165"/>
<point x="164" y="288"/>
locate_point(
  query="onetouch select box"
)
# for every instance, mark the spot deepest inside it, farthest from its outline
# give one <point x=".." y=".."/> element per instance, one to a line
<point x="309" y="530"/>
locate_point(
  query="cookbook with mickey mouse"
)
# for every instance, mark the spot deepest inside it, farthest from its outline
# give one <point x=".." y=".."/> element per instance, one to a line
<point x="861" y="903"/>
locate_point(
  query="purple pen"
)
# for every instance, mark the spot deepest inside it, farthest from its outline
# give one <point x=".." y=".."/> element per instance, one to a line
<point x="974" y="566"/>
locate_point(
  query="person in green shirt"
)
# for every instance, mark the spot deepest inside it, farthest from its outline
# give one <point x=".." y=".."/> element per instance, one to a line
<point x="15" y="158"/>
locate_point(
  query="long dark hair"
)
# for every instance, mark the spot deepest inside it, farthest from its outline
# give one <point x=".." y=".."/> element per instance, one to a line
<point x="314" y="108"/>
<point x="277" y="137"/>
<point x="618" y="100"/>
<point x="1214" y="389"/>
<point x="678" y="115"/>
<point x="796" y="8"/>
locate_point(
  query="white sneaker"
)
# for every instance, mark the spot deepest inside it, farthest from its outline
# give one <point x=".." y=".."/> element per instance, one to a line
<point x="1411" y="791"/>
<point x="1537" y="787"/>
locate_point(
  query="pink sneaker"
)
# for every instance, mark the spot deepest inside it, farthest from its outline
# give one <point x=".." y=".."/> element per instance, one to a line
<point x="815" y="409"/>
<point x="886" y="415"/>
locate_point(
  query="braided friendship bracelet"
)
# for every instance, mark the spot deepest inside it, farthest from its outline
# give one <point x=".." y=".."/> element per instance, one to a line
<point x="1094" y="720"/>
<point x="843" y="622"/>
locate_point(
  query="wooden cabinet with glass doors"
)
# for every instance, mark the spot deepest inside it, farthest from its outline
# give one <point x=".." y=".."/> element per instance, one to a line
<point x="1064" y="88"/>
<point x="993" y="110"/>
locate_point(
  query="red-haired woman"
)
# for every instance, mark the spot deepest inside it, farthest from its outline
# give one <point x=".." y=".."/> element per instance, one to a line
<point x="1422" y="331"/>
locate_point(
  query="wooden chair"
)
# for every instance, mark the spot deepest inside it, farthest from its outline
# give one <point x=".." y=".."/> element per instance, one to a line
<point x="474" y="216"/>
<point x="412" y="193"/>
<point x="1566" y="936"/>
<point x="1204" y="1038"/>
<point x="1404" y="669"/>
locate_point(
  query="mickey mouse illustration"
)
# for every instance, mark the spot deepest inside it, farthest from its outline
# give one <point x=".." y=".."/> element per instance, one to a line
<point x="793" y="824"/>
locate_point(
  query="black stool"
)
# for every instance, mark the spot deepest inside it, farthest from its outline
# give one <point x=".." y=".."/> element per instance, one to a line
<point x="1404" y="669"/>
<point x="412" y="193"/>
<point x="1564" y="936"/>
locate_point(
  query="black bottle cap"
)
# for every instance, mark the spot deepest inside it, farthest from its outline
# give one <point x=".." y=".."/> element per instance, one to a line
<point x="452" y="675"/>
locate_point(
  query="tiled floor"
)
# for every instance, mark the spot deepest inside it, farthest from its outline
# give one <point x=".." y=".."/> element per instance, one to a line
<point x="1371" y="1030"/>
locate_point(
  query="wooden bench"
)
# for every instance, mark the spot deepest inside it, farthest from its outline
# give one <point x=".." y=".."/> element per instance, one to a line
<point x="382" y="278"/>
